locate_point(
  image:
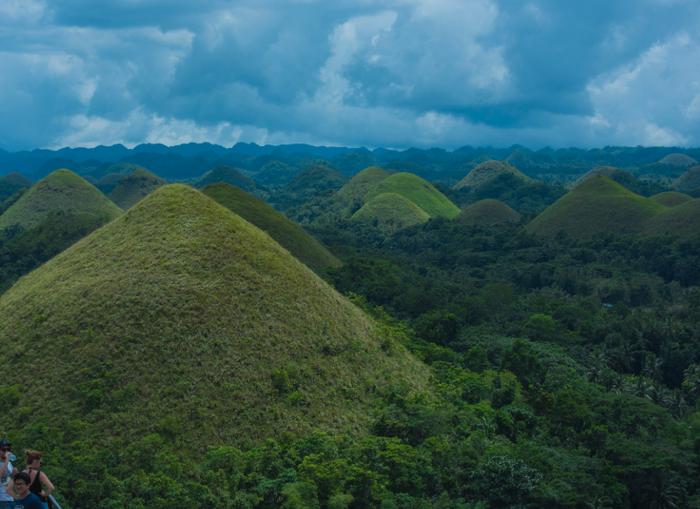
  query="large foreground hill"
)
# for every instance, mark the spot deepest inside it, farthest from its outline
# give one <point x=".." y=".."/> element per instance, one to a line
<point x="180" y="315"/>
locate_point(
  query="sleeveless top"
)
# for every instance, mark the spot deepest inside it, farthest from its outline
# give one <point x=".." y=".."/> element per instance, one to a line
<point x="35" y="486"/>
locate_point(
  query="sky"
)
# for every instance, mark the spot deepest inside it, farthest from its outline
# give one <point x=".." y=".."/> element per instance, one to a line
<point x="389" y="73"/>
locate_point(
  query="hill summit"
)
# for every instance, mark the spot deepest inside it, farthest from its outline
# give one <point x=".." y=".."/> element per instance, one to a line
<point x="132" y="188"/>
<point x="487" y="213"/>
<point x="182" y="316"/>
<point x="487" y="171"/>
<point x="60" y="191"/>
<point x="597" y="206"/>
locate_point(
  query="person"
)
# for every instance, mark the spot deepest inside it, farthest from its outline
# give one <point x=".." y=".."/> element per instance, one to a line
<point x="24" y="499"/>
<point x="39" y="483"/>
<point x="6" y="470"/>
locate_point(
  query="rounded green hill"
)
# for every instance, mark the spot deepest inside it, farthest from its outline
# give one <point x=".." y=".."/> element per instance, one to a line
<point x="288" y="234"/>
<point x="688" y="182"/>
<point x="391" y="212"/>
<point x="132" y="188"/>
<point x="670" y="198"/>
<point x="228" y="175"/>
<point x="352" y="195"/>
<point x="680" y="220"/>
<point x="62" y="190"/>
<point x="678" y="160"/>
<point x="417" y="190"/>
<point x="599" y="205"/>
<point x="487" y="213"/>
<point x="180" y="315"/>
<point x="487" y="171"/>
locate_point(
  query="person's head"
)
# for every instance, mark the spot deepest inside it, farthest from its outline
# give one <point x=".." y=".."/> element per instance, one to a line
<point x="5" y="447"/>
<point x="34" y="459"/>
<point x="21" y="481"/>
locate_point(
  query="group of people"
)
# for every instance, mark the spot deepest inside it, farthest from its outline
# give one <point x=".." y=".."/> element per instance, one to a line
<point x="26" y="489"/>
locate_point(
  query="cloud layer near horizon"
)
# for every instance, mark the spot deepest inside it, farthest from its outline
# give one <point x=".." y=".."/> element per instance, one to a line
<point x="376" y="73"/>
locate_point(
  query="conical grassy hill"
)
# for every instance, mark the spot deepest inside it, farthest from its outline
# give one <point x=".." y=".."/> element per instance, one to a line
<point x="597" y="206"/>
<point x="61" y="191"/>
<point x="689" y="182"/>
<point x="228" y="175"/>
<point x="681" y="220"/>
<point x="391" y="212"/>
<point x="670" y="198"/>
<point x="352" y="195"/>
<point x="134" y="187"/>
<point x="488" y="171"/>
<point x="288" y="234"/>
<point x="487" y="213"/>
<point x="417" y="190"/>
<point x="182" y="318"/>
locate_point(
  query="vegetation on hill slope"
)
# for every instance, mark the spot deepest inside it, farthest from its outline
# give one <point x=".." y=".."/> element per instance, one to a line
<point x="390" y="212"/>
<point x="487" y="213"/>
<point x="62" y="190"/>
<point x="227" y="175"/>
<point x="670" y="198"/>
<point x="418" y="191"/>
<point x="597" y="206"/>
<point x="352" y="195"/>
<point x="11" y="183"/>
<point x="679" y="220"/>
<point x="678" y="159"/>
<point x="289" y="235"/>
<point x="180" y="317"/>
<point x="624" y="178"/>
<point x="134" y="187"/>
<point x="487" y="171"/>
<point x="688" y="182"/>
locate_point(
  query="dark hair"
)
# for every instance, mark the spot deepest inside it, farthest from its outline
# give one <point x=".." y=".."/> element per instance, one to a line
<point x="23" y="476"/>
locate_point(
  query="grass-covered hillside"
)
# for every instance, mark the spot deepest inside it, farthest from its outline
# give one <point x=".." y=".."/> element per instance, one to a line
<point x="417" y="190"/>
<point x="182" y="318"/>
<point x="487" y="213"/>
<point x="132" y="188"/>
<point x="597" y="206"/>
<point x="11" y="183"/>
<point x="670" y="198"/>
<point x="680" y="220"/>
<point x="487" y="171"/>
<point x="390" y="212"/>
<point x="624" y="178"/>
<point x="678" y="159"/>
<point x="352" y="195"/>
<point x="62" y="190"/>
<point x="289" y="235"/>
<point x="688" y="182"/>
<point x="228" y="175"/>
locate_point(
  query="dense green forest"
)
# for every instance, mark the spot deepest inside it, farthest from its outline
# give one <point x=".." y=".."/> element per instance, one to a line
<point x="564" y="370"/>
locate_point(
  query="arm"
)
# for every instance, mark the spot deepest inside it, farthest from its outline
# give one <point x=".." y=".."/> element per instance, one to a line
<point x="11" y="488"/>
<point x="47" y="485"/>
<point x="3" y="466"/>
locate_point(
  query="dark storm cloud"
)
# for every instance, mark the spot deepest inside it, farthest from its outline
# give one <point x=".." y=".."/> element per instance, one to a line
<point x="395" y="72"/>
